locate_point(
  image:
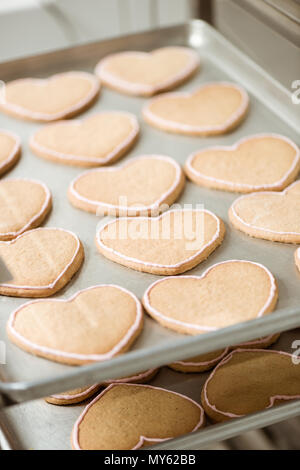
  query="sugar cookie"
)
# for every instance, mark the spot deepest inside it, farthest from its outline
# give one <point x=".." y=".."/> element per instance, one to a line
<point x="227" y="293"/>
<point x="80" y="394"/>
<point x="24" y="204"/>
<point x="101" y="321"/>
<point x="247" y="381"/>
<point x="297" y="258"/>
<point x="147" y="73"/>
<point x="49" y="99"/>
<point x="128" y="417"/>
<point x="40" y="262"/>
<point x="99" y="139"/>
<point x="255" y="163"/>
<point x="269" y="215"/>
<point x="10" y="150"/>
<point x="146" y="185"/>
<point x="171" y="243"/>
<point x="213" y="108"/>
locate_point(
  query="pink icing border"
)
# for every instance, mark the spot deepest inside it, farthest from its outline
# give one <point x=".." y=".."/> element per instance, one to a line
<point x="260" y="229"/>
<point x="139" y="88"/>
<point x="142" y="375"/>
<point x="46" y="202"/>
<point x="152" y="206"/>
<point x="24" y="112"/>
<point x="227" y="359"/>
<point x="15" y="150"/>
<point x="49" y="286"/>
<point x="234" y="147"/>
<point x="147" y="263"/>
<point x="172" y="321"/>
<point x="91" y="357"/>
<point x="159" y="121"/>
<point x="75" y="432"/>
<point x="65" y="156"/>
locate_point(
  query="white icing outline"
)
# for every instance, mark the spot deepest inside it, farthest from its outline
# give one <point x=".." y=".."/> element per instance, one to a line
<point x="24" y="112"/>
<point x="234" y="147"/>
<point x="188" y="128"/>
<point x="260" y="229"/>
<point x="128" y="209"/>
<point x="147" y="263"/>
<point x="36" y="216"/>
<point x="81" y="158"/>
<point x="227" y="359"/>
<point x="140" y="88"/>
<point x="91" y="357"/>
<point x="75" y="432"/>
<point x="49" y="286"/>
<point x="155" y="313"/>
<point x="106" y="383"/>
<point x="15" y="150"/>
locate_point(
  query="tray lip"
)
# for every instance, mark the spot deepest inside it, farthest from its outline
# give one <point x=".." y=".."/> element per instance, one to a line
<point x="28" y="390"/>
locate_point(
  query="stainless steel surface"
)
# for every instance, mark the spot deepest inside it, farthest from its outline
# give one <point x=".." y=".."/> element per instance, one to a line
<point x="26" y="377"/>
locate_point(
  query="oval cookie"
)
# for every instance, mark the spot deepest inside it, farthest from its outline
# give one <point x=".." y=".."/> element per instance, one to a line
<point x="128" y="417"/>
<point x="40" y="262"/>
<point x="96" y="140"/>
<point x="10" y="150"/>
<point x="247" y="381"/>
<point x="255" y="163"/>
<point x="49" y="99"/>
<point x="24" y="204"/>
<point x="269" y="215"/>
<point x="171" y="243"/>
<point x="297" y="258"/>
<point x="145" y="185"/>
<point x="227" y="293"/>
<point x="80" y="394"/>
<point x="101" y="321"/>
<point x="147" y="73"/>
<point x="213" y="108"/>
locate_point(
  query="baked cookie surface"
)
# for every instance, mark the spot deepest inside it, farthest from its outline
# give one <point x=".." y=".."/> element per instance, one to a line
<point x="10" y="150"/>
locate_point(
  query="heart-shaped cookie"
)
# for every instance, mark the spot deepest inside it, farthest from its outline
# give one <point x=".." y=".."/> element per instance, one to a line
<point x="128" y="417"/>
<point x="49" y="99"/>
<point x="171" y="243"/>
<point x="97" y="140"/>
<point x="209" y="360"/>
<point x="227" y="293"/>
<point x="24" y="204"/>
<point x="255" y="163"/>
<point x="145" y="185"/>
<point x="81" y="394"/>
<point x="10" y="150"/>
<point x="269" y="215"/>
<point x="214" y="108"/>
<point x="40" y="262"/>
<point x="101" y="321"/>
<point x="247" y="381"/>
<point x="297" y="258"/>
<point x="147" y="73"/>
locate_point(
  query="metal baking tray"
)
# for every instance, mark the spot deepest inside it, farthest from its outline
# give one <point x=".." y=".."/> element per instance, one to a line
<point x="25" y="377"/>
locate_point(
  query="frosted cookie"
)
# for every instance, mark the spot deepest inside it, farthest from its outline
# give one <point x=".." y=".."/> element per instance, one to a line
<point x="10" y="150"/>
<point x="24" y="204"/>
<point x="40" y="262"/>
<point x="49" y="99"/>
<point x="147" y="73"/>
<point x="209" y="360"/>
<point x="269" y="215"/>
<point x="213" y="108"/>
<point x="101" y="322"/>
<point x="96" y="140"/>
<point x="171" y="243"/>
<point x="255" y="163"/>
<point x="247" y="381"/>
<point x="128" y="417"/>
<point x="145" y="185"/>
<point x="227" y="293"/>
<point x="297" y="258"/>
<point x="80" y="394"/>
